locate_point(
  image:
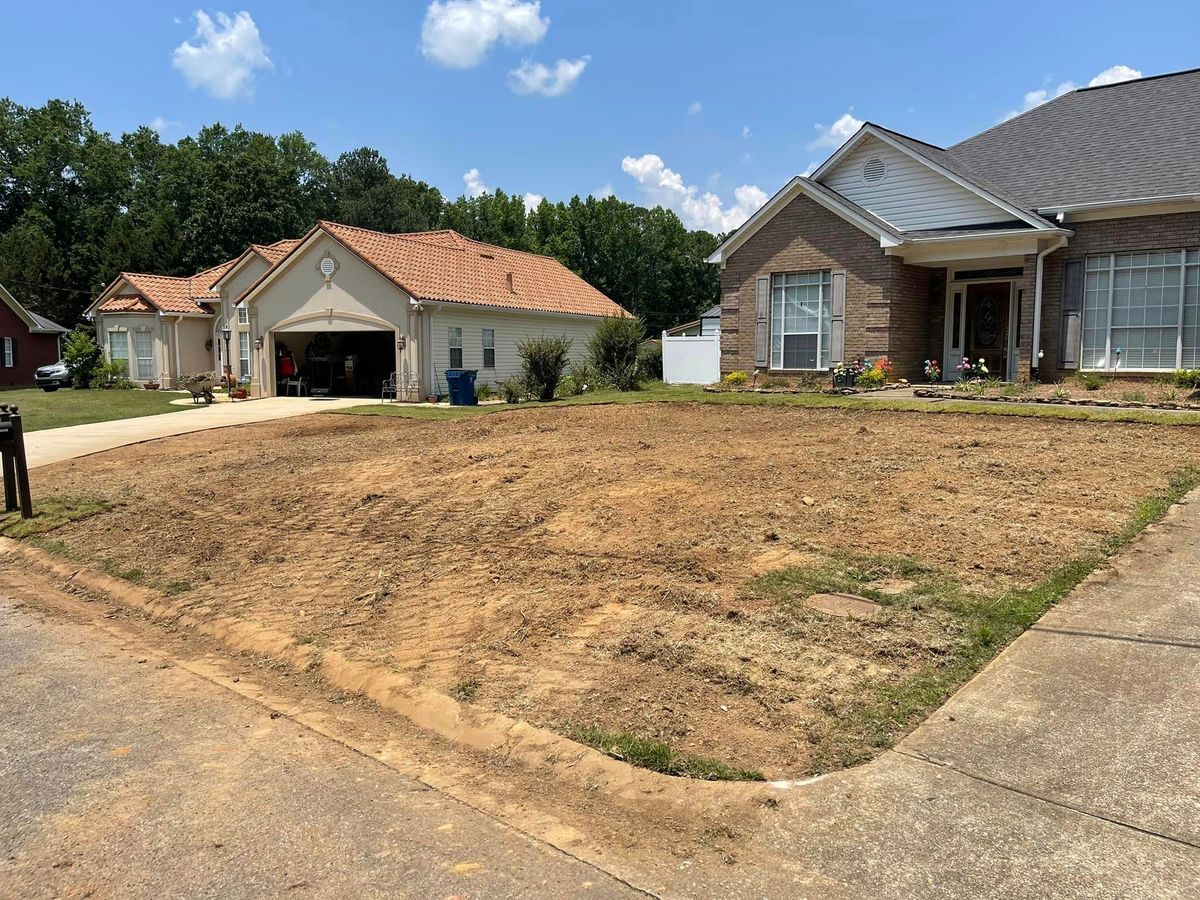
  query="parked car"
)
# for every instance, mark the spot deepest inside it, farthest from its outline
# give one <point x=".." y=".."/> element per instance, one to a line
<point x="52" y="377"/>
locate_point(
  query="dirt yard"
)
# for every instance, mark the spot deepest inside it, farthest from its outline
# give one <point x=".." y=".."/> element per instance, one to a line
<point x="633" y="568"/>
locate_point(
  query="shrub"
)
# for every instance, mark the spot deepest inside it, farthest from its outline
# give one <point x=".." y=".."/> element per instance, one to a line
<point x="512" y="389"/>
<point x="581" y="378"/>
<point x="1187" y="378"/>
<point x="544" y="360"/>
<point x="736" y="378"/>
<point x="112" y="374"/>
<point x="1061" y="393"/>
<point x="775" y="383"/>
<point x="650" y="361"/>
<point x="1170" y="395"/>
<point x="483" y="391"/>
<point x="613" y="350"/>
<point x="873" y="377"/>
<point x="81" y="354"/>
<point x="1134" y="397"/>
<point x="1090" y="381"/>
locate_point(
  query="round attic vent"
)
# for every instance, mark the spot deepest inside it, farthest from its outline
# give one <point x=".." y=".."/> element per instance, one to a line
<point x="328" y="266"/>
<point x="874" y="170"/>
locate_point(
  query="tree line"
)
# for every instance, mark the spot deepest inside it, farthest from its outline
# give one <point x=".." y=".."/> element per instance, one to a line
<point x="77" y="206"/>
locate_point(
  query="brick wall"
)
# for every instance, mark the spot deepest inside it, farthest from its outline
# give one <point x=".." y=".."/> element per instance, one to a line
<point x="910" y="308"/>
<point x="806" y="237"/>
<point x="1103" y="236"/>
<point x="33" y="350"/>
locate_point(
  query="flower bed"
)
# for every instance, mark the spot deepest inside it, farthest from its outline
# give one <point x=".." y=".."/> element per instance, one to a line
<point x="1084" y="390"/>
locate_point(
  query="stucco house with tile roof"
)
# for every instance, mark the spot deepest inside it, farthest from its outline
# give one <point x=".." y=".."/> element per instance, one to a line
<point x="342" y="308"/>
<point x="1066" y="238"/>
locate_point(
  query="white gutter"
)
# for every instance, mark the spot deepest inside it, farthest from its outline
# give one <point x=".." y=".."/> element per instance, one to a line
<point x="1035" y="362"/>
<point x="1105" y="204"/>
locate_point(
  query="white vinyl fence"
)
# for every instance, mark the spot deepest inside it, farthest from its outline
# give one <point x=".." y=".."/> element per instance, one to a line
<point x="692" y="360"/>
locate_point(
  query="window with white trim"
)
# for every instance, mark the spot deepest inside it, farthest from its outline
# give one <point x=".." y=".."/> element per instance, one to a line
<point x="1141" y="311"/>
<point x="8" y="353"/>
<point x="244" y="354"/>
<point x="243" y="315"/>
<point x="456" y="357"/>
<point x="118" y="348"/>
<point x="800" y="320"/>
<point x="143" y="346"/>
<point x="489" y="348"/>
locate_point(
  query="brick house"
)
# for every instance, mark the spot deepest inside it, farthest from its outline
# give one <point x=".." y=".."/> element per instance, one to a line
<point x="1066" y="238"/>
<point x="27" y="341"/>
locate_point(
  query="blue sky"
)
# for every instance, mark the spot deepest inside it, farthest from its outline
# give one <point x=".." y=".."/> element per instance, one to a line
<point x="703" y="106"/>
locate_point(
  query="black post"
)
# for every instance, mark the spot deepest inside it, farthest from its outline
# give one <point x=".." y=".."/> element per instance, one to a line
<point x="21" y="465"/>
<point x="13" y="463"/>
<point x="8" y="463"/>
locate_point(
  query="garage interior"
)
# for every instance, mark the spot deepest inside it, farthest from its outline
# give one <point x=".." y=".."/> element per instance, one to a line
<point x="334" y="363"/>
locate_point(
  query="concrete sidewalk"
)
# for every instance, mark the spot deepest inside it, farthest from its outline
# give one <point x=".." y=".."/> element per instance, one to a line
<point x="54" y="445"/>
<point x="1070" y="767"/>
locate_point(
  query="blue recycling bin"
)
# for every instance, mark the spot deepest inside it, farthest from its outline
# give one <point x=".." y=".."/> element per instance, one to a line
<point x="461" y="385"/>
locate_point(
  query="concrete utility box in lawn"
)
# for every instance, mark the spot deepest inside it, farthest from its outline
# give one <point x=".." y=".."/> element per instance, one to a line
<point x="692" y="360"/>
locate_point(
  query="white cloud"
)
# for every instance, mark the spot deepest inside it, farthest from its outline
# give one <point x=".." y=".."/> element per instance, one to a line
<point x="532" y="201"/>
<point x="161" y="124"/>
<point x="1111" y="75"/>
<point x="746" y="132"/>
<point x="831" y="137"/>
<point x="697" y="210"/>
<point x="812" y="167"/>
<point x="474" y="182"/>
<point x="458" y="33"/>
<point x="536" y="78"/>
<point x="1115" y="75"/>
<point x="225" y="56"/>
<point x="695" y="108"/>
<point x="603" y="192"/>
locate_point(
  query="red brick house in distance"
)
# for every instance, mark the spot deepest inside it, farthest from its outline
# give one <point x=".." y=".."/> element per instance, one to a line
<point x="1066" y="238"/>
<point x="27" y="341"/>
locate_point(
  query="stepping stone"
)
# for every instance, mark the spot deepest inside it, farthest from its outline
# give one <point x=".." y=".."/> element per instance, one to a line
<point x="844" y="605"/>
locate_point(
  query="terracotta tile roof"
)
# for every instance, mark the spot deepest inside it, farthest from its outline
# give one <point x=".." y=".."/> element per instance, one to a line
<point x="445" y="266"/>
<point x="273" y="253"/>
<point x="167" y="293"/>
<point x="126" y="303"/>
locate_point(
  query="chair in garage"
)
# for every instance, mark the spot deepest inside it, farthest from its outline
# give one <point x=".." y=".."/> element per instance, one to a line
<point x="389" y="389"/>
<point x="299" y="382"/>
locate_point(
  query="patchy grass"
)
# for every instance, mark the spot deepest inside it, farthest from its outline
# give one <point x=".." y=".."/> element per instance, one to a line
<point x="41" y="410"/>
<point x="663" y="393"/>
<point x="50" y="513"/>
<point x="466" y="690"/>
<point x="887" y="711"/>
<point x="657" y="755"/>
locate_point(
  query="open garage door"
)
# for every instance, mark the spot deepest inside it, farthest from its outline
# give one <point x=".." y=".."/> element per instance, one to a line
<point x="333" y="363"/>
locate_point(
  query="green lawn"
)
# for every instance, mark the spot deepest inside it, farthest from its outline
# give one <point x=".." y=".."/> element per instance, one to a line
<point x="658" y="392"/>
<point x="40" y="409"/>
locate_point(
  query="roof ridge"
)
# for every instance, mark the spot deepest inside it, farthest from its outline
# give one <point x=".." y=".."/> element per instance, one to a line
<point x="907" y="137"/>
<point x="1097" y="87"/>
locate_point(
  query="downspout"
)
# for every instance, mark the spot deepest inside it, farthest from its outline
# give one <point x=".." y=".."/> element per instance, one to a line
<point x="175" y="353"/>
<point x="1035" y="361"/>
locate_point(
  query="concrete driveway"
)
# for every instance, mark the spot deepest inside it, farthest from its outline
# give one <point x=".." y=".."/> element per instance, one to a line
<point x="54" y="445"/>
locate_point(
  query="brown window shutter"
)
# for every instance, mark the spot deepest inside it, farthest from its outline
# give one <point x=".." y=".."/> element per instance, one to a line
<point x="762" y="303"/>
<point x="1070" y="335"/>
<point x="837" y="318"/>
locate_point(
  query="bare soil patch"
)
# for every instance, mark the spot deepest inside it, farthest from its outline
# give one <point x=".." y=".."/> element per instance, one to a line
<point x="626" y="568"/>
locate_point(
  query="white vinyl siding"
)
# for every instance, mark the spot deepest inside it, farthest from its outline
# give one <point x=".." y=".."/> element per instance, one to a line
<point x="911" y="195"/>
<point x="509" y="329"/>
<point x="143" y="347"/>
<point x="118" y="347"/>
<point x="8" y="353"/>
<point x="1141" y="311"/>
<point x="244" y="354"/>
<point x="800" y="320"/>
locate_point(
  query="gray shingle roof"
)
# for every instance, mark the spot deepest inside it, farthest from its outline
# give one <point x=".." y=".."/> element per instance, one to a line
<point x="1118" y="142"/>
<point x="713" y="312"/>
<point x="43" y="322"/>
